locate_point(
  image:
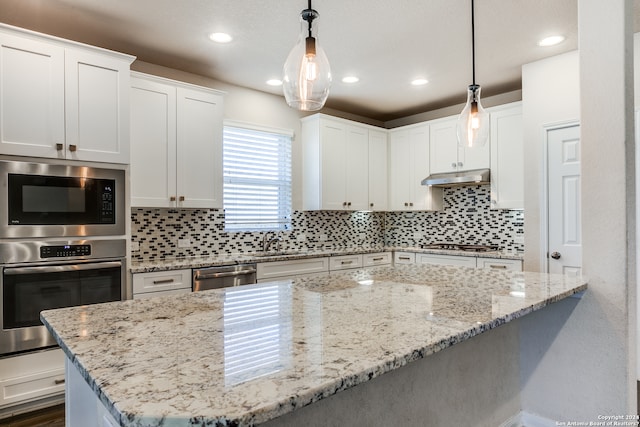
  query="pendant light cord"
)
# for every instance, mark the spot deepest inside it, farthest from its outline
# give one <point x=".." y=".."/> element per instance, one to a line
<point x="311" y="19"/>
<point x="473" y="43"/>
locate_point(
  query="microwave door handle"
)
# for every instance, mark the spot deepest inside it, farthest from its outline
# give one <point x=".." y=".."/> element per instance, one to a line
<point x="61" y="268"/>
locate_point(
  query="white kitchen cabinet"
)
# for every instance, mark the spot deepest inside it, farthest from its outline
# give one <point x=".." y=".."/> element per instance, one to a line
<point x="465" y="261"/>
<point x="277" y="270"/>
<point x="345" y="262"/>
<point x="404" y="258"/>
<point x="408" y="166"/>
<point x="445" y="153"/>
<point x="378" y="170"/>
<point x="161" y="283"/>
<point x="62" y="99"/>
<point x="379" y="258"/>
<point x="176" y="144"/>
<point x="335" y="164"/>
<point x="507" y="157"/>
<point x="32" y="377"/>
<point x="499" y="264"/>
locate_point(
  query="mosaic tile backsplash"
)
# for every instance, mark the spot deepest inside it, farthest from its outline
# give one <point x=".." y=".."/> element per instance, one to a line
<point x="466" y="218"/>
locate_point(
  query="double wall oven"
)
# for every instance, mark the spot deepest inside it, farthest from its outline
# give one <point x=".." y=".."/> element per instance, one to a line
<point x="61" y="244"/>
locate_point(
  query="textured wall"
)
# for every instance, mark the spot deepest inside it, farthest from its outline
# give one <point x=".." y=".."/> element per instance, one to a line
<point x="466" y="218"/>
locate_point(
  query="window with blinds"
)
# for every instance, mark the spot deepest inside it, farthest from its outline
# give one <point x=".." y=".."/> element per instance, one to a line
<point x="257" y="180"/>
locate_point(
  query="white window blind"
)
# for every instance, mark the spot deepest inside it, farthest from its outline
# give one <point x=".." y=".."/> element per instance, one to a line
<point x="257" y="180"/>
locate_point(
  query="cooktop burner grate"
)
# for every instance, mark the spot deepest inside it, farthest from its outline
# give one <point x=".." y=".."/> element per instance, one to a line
<point x="461" y="247"/>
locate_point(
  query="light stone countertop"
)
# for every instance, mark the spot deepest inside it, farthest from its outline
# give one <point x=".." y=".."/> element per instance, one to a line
<point x="205" y="357"/>
<point x="150" y="265"/>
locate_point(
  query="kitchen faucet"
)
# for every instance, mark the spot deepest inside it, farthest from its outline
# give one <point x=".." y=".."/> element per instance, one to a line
<point x="266" y="243"/>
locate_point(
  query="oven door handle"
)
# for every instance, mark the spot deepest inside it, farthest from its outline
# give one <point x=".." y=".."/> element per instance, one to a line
<point x="61" y="268"/>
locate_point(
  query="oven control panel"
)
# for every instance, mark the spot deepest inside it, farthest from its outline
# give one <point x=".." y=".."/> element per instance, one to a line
<point x="63" y="251"/>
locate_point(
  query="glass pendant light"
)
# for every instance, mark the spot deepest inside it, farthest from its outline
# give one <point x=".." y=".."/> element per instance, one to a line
<point x="307" y="75"/>
<point x="473" y="122"/>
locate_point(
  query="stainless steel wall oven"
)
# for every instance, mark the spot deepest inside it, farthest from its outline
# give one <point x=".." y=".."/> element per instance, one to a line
<point x="41" y="275"/>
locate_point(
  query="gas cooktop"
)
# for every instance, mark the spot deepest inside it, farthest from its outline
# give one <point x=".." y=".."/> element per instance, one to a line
<point x="461" y="247"/>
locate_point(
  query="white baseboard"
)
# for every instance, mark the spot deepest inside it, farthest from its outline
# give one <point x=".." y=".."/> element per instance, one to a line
<point x="525" y="419"/>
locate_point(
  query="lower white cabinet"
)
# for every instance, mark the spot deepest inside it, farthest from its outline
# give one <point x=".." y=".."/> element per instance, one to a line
<point x="160" y="283"/>
<point x="404" y="257"/>
<point x="379" y="258"/>
<point x="345" y="262"/>
<point x="277" y="270"/>
<point x="465" y="261"/>
<point x="500" y="264"/>
<point x="31" y="377"/>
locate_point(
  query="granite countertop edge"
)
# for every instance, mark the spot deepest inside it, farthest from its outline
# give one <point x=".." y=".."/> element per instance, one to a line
<point x="153" y="265"/>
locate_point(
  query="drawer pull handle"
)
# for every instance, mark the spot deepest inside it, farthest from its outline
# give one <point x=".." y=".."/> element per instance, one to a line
<point x="502" y="267"/>
<point x="162" y="282"/>
<point x="380" y="259"/>
<point x="346" y="262"/>
<point x="404" y="257"/>
<point x="58" y="382"/>
<point x="73" y="148"/>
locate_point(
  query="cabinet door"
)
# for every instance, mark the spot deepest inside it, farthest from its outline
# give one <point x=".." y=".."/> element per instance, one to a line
<point x="507" y="159"/>
<point x="423" y="197"/>
<point x="378" y="175"/>
<point x="199" y="142"/>
<point x="333" y="140"/>
<point x="474" y="158"/>
<point x="400" y="172"/>
<point x="31" y="98"/>
<point x="97" y="107"/>
<point x="356" y="154"/>
<point x="153" y="144"/>
<point x="443" y="152"/>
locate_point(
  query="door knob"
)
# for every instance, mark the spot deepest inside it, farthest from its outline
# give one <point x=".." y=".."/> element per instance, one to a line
<point x="555" y="255"/>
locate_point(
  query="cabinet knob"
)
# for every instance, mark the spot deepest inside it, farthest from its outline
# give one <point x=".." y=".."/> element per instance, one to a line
<point x="406" y="204"/>
<point x="344" y="204"/>
<point x="411" y="204"/>
<point x="460" y="164"/>
<point x="59" y="147"/>
<point x="172" y="198"/>
<point x="181" y="198"/>
<point x="73" y="148"/>
<point x="453" y="165"/>
<point x="494" y="201"/>
<point x="370" y="205"/>
<point x="349" y="204"/>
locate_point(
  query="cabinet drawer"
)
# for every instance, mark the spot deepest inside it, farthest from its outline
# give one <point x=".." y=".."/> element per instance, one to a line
<point x="158" y="281"/>
<point x="382" y="258"/>
<point x="344" y="262"/>
<point x="446" y="260"/>
<point x="148" y="295"/>
<point x="404" y="258"/>
<point x="278" y="269"/>
<point x="500" y="264"/>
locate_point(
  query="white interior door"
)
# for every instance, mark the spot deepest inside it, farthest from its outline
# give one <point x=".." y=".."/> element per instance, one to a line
<point x="564" y="193"/>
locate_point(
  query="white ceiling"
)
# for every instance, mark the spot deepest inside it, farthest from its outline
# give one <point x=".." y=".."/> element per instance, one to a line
<point x="387" y="44"/>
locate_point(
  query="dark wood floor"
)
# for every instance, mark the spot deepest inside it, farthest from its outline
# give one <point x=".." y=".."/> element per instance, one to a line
<point x="49" y="417"/>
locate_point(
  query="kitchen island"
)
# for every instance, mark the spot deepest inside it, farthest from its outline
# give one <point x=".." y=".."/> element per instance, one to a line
<point x="266" y="353"/>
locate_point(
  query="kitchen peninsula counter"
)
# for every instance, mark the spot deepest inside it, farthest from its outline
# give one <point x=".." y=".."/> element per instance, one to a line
<point x="246" y="355"/>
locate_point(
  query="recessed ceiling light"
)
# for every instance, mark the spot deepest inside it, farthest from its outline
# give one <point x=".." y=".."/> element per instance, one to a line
<point x="551" y="41"/>
<point x="419" y="82"/>
<point x="350" y="79"/>
<point x="274" y="82"/>
<point x="220" y="37"/>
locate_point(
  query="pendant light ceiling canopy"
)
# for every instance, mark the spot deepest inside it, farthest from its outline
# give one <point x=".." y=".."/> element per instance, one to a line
<point x="473" y="122"/>
<point x="306" y="72"/>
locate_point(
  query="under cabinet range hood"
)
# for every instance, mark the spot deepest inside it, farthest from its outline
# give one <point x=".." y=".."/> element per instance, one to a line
<point x="457" y="179"/>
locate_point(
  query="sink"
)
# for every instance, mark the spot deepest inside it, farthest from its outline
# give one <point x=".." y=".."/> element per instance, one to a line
<point x="270" y="254"/>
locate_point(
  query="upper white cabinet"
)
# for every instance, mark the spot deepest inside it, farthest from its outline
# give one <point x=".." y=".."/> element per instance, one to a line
<point x="447" y="156"/>
<point x="61" y="99"/>
<point x="507" y="157"/>
<point x="176" y="144"/>
<point x="336" y="164"/>
<point x="408" y="166"/>
<point x="378" y="173"/>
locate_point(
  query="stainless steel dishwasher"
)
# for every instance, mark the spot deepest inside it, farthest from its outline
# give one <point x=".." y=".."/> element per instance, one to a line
<point x="222" y="277"/>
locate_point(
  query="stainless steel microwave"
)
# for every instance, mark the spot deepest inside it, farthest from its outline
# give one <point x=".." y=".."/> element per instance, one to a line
<point x="44" y="200"/>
